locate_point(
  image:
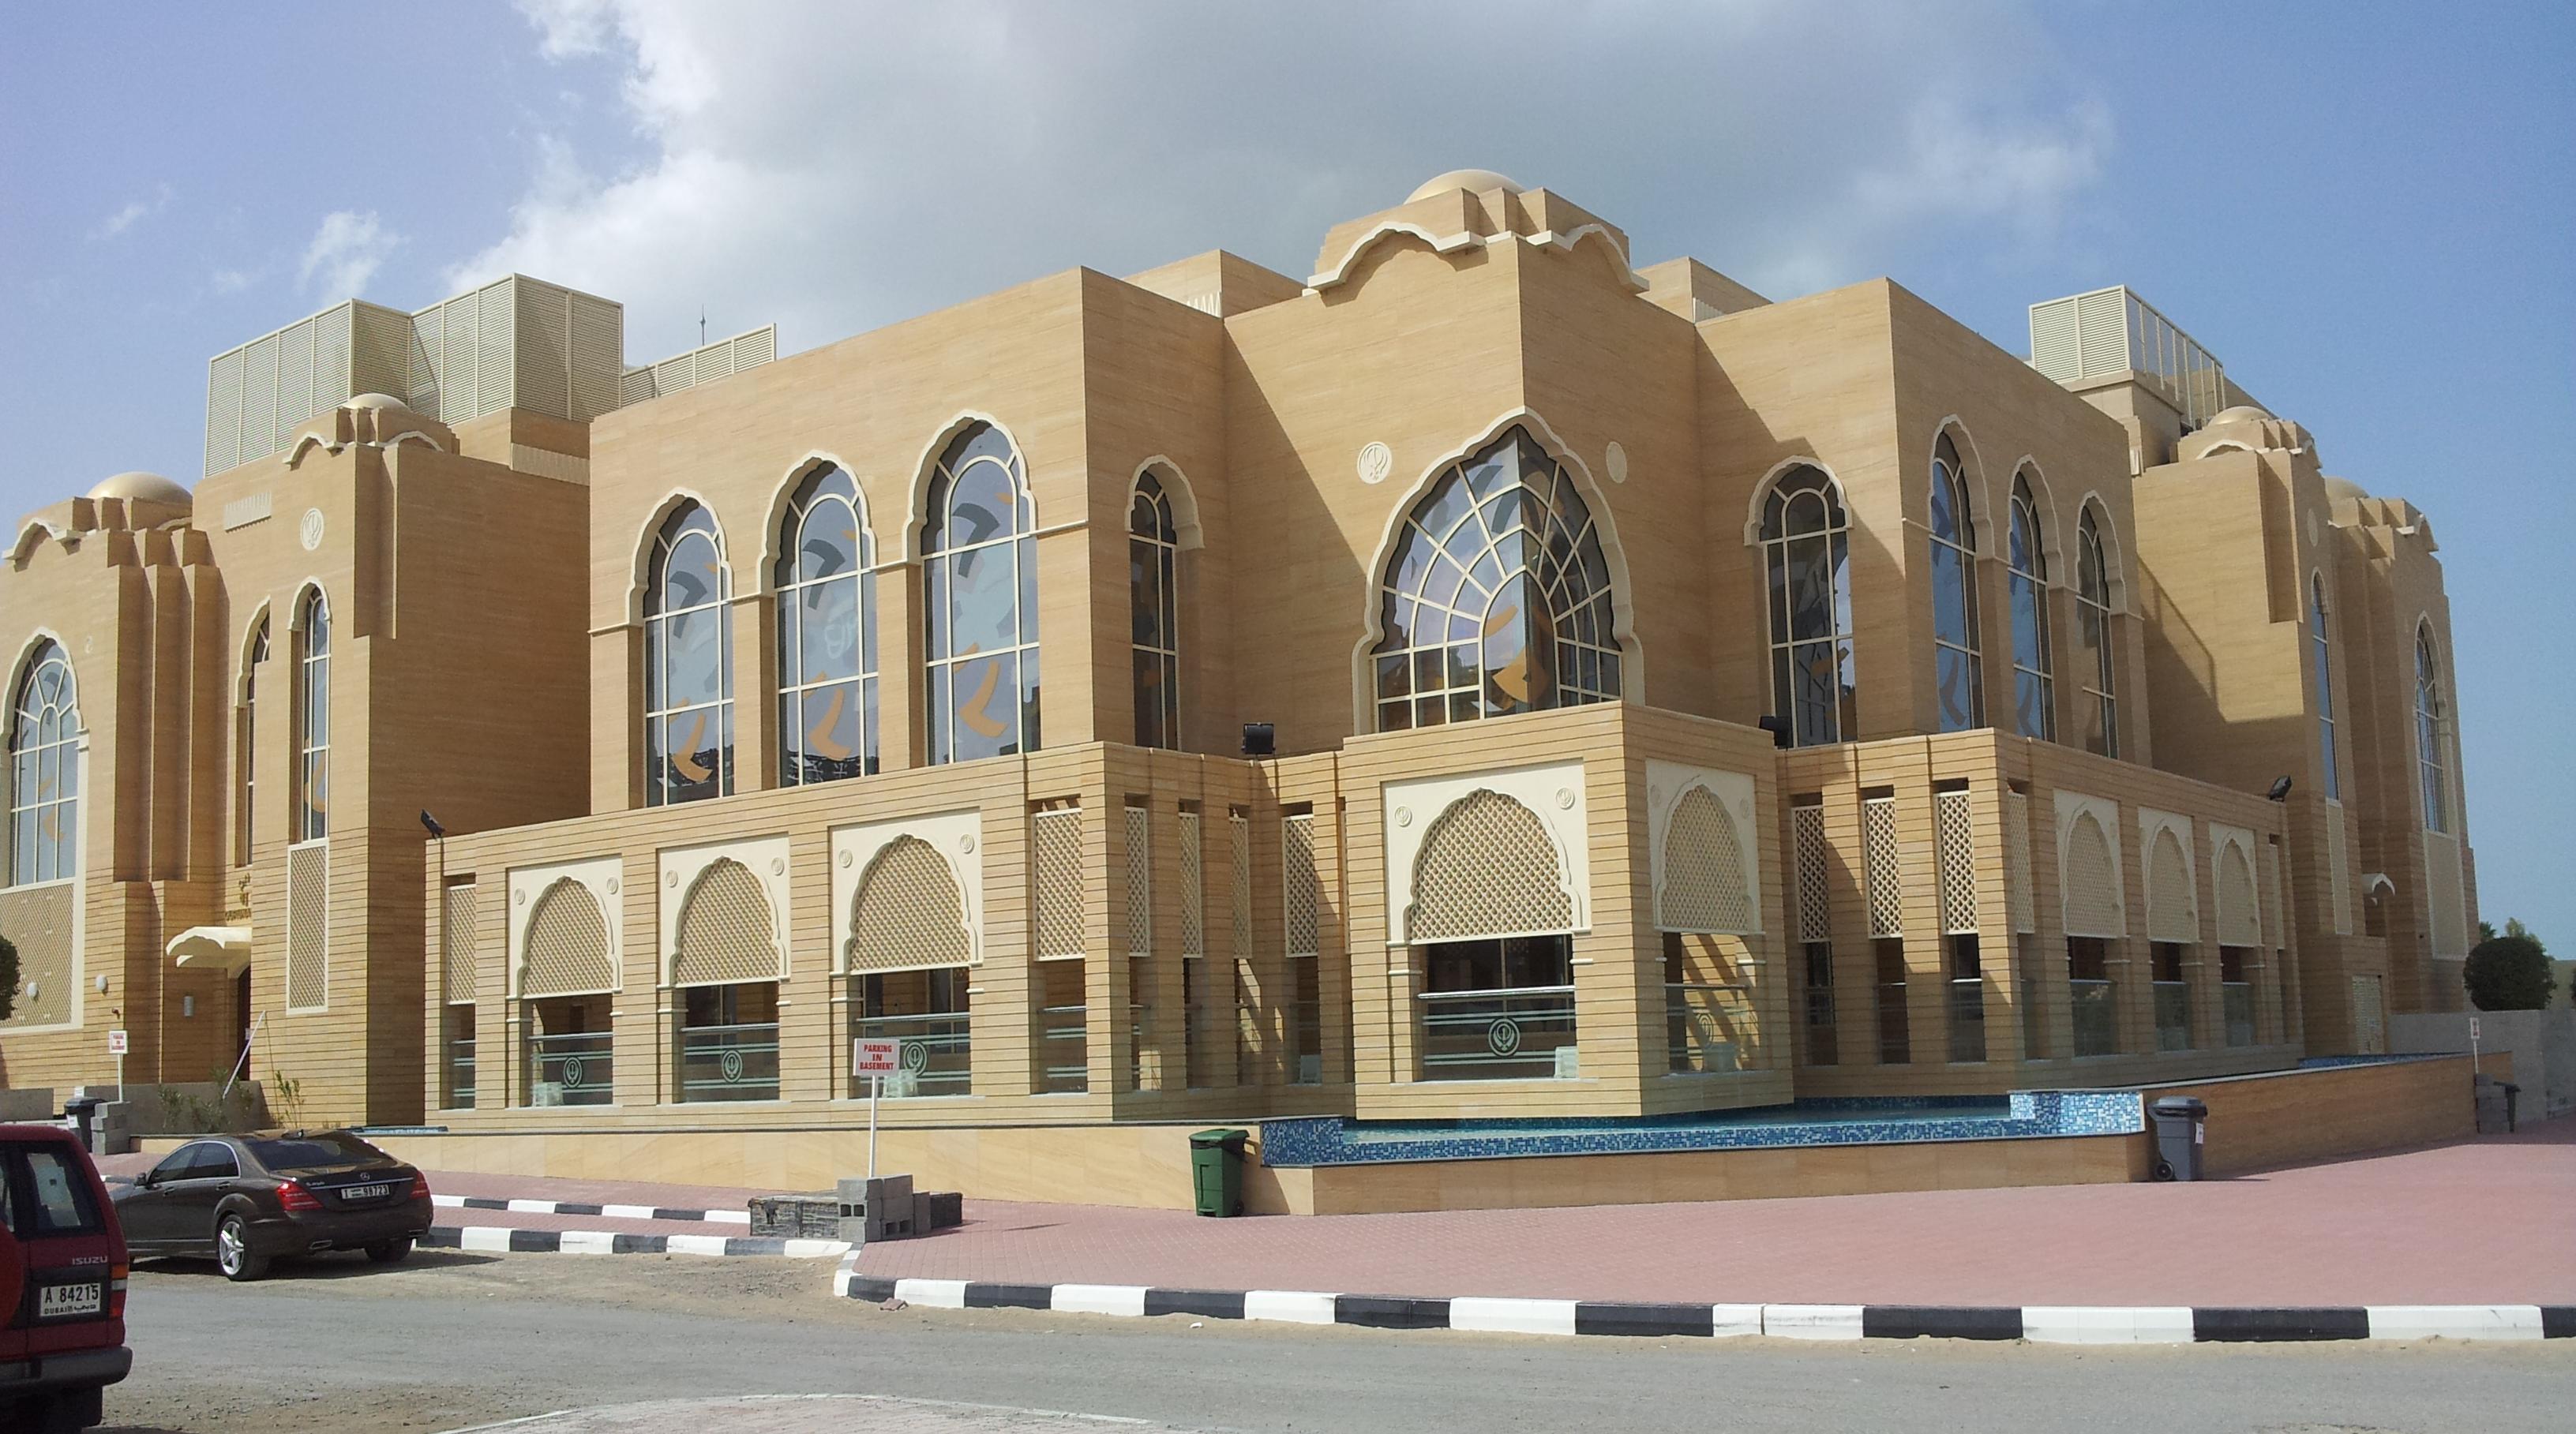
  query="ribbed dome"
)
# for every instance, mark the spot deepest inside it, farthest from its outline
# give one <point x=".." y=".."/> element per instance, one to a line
<point x="376" y="400"/>
<point x="2241" y="413"/>
<point x="2342" y="488"/>
<point x="1474" y="181"/>
<point x="142" y="487"/>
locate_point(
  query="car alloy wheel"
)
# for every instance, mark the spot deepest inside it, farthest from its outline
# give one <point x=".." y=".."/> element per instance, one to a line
<point x="232" y="1251"/>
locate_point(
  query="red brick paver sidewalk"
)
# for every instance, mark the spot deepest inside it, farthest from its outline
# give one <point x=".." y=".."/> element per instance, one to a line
<point x="2473" y="1223"/>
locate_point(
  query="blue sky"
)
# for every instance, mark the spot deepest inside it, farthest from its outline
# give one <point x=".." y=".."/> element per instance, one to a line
<point x="2365" y="210"/>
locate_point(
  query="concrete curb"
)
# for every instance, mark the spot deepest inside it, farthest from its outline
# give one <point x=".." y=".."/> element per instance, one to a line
<point x="575" y="1207"/>
<point x="502" y="1239"/>
<point x="2046" y="1324"/>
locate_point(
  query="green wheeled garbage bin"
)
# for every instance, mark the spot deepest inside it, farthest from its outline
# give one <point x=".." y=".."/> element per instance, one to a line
<point x="1216" y="1170"/>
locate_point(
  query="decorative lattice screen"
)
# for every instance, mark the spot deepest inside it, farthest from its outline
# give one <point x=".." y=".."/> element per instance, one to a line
<point x="1055" y="849"/>
<point x="2017" y="887"/>
<point x="1140" y="881"/>
<point x="727" y="930"/>
<point x="2173" y="912"/>
<point x="38" y="921"/>
<point x="1239" y="833"/>
<point x="566" y="944"/>
<point x="1302" y="891"/>
<point x="2240" y="910"/>
<point x="2090" y="881"/>
<point x="456" y="944"/>
<point x="1486" y="868"/>
<point x="1815" y="874"/>
<point x="2338" y="875"/>
<point x="308" y="926"/>
<point x="907" y="913"/>
<point x="2443" y="897"/>
<point x="1956" y="832"/>
<point x="1704" y="889"/>
<point x="1884" y="867"/>
<point x="1193" y="888"/>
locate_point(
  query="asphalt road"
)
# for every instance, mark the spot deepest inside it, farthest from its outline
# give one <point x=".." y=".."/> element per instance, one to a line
<point x="451" y="1340"/>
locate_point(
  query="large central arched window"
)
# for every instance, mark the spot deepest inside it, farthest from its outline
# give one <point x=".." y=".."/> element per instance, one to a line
<point x="44" y="770"/>
<point x="1955" y="648"/>
<point x="827" y="634"/>
<point x="2325" y="687"/>
<point x="313" y="719"/>
<point x="688" y="663"/>
<point x="1497" y="598"/>
<point x="2097" y="663"/>
<point x="2034" y="671"/>
<point x="2428" y="733"/>
<point x="1153" y="604"/>
<point x="1806" y="550"/>
<point x="980" y="601"/>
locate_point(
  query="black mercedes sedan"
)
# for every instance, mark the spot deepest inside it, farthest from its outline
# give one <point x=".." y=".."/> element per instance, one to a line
<point x="248" y="1199"/>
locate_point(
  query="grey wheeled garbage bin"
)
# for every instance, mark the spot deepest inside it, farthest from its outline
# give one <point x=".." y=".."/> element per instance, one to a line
<point x="82" y="1111"/>
<point x="2177" y="1120"/>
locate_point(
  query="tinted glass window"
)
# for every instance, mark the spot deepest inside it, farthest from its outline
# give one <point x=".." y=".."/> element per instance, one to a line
<point x="213" y="1162"/>
<point x="47" y="1193"/>
<point x="307" y="1152"/>
<point x="174" y="1166"/>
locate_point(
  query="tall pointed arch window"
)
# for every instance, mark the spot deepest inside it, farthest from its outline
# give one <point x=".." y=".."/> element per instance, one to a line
<point x="2428" y="734"/>
<point x="980" y="601"/>
<point x="2324" y="648"/>
<point x="313" y="719"/>
<point x="827" y="634"/>
<point x="246" y="745"/>
<point x="2034" y="669"/>
<point x="1153" y="601"/>
<point x="44" y="770"/>
<point x="1497" y="597"/>
<point x="1955" y="649"/>
<point x="2097" y="663"/>
<point x="688" y="663"/>
<point x="1806" y="551"/>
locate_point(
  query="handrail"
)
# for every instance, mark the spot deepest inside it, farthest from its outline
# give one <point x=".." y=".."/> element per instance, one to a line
<point x="1495" y="992"/>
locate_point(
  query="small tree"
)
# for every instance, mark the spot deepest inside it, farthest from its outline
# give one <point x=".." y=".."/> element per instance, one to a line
<point x="8" y="978"/>
<point x="2510" y="972"/>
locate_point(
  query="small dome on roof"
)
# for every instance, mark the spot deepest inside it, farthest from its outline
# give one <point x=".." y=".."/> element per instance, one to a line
<point x="1474" y="181"/>
<point x="2241" y="413"/>
<point x="143" y="487"/>
<point x="376" y="400"/>
<point x="2342" y="488"/>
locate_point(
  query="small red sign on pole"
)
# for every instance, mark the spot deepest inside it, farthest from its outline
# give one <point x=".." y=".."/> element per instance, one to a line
<point x="116" y="1043"/>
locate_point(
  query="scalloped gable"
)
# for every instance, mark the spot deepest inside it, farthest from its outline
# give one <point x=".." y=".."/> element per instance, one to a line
<point x="1455" y="220"/>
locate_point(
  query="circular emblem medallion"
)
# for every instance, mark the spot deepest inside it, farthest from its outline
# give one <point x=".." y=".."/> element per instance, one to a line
<point x="571" y="1072"/>
<point x="1503" y="1037"/>
<point x="309" y="531"/>
<point x="730" y="1066"/>
<point x="1376" y="461"/>
<point x="916" y="1057"/>
<point x="1616" y="461"/>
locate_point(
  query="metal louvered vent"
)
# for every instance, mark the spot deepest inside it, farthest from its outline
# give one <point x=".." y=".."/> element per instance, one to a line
<point x="721" y="359"/>
<point x="907" y="913"/>
<point x="1055" y="843"/>
<point x="2110" y="331"/>
<point x="1956" y="832"/>
<point x="1885" y="867"/>
<point x="1487" y="869"/>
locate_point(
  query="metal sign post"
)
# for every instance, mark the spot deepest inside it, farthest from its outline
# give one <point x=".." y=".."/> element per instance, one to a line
<point x="876" y="1059"/>
<point x="2473" y="1048"/>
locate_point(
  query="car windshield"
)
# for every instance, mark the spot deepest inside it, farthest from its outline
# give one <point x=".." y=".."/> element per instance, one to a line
<point x="43" y="1195"/>
<point x="309" y="1152"/>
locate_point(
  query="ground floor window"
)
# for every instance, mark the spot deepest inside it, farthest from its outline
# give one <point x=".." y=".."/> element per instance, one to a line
<point x="456" y="1067"/>
<point x="1250" y="1040"/>
<point x="1498" y="1010"/>
<point x="1708" y="1020"/>
<point x="924" y="1013"/>
<point x="1967" y="998"/>
<point x="2236" y="993"/>
<point x="1203" y="1036"/>
<point x="728" y="1042"/>
<point x="2088" y="995"/>
<point x="1143" y="1071"/>
<point x="2034" y="1016"/>
<point x="1817" y="957"/>
<point x="1306" y="1020"/>
<point x="570" y="1060"/>
<point x="1064" y="1058"/>
<point x="1895" y="1035"/>
<point x="2173" y="996"/>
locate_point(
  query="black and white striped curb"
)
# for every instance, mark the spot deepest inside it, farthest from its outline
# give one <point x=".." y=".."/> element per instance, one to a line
<point x="504" y="1240"/>
<point x="575" y="1207"/>
<point x="2047" y="1324"/>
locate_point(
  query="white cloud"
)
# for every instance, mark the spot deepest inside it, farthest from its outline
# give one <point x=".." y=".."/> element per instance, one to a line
<point x="346" y="252"/>
<point x="233" y="281"/>
<point x="135" y="212"/>
<point x="834" y="166"/>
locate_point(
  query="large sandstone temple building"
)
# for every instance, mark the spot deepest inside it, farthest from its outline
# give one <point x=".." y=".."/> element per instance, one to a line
<point x="1482" y="678"/>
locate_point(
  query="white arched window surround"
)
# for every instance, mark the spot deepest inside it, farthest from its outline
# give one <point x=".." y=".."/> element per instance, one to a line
<point x="313" y="631"/>
<point x="1587" y="487"/>
<point x="254" y="656"/>
<point x="45" y="742"/>
<point x="2098" y="592"/>
<point x="686" y="605"/>
<point x="2028" y="562"/>
<point x="2321" y="671"/>
<point x="975" y="530"/>
<point x="820" y="572"/>
<point x="2432" y="730"/>
<point x="1951" y="515"/>
<point x="1157" y="499"/>
<point x="1799" y="520"/>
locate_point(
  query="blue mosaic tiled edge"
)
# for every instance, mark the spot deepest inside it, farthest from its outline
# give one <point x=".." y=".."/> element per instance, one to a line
<point x="1329" y="1140"/>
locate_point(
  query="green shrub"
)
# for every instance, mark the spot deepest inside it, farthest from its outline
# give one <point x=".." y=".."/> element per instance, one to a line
<point x="8" y="978"/>
<point x="2509" y="973"/>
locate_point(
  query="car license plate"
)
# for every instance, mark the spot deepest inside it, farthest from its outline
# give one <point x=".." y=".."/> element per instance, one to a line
<point x="71" y="1301"/>
<point x="355" y="1193"/>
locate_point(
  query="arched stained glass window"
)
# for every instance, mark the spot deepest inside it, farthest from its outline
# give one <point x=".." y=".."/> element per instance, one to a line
<point x="1153" y="599"/>
<point x="1497" y="598"/>
<point x="1806" y="549"/>
<point x="245" y="730"/>
<point x="1955" y="649"/>
<point x="2324" y="648"/>
<point x="313" y="719"/>
<point x="980" y="601"/>
<point x="2097" y="663"/>
<point x="2034" y="670"/>
<point x="2428" y="733"/>
<point x="44" y="770"/>
<point x="827" y="634"/>
<point x="688" y="663"/>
